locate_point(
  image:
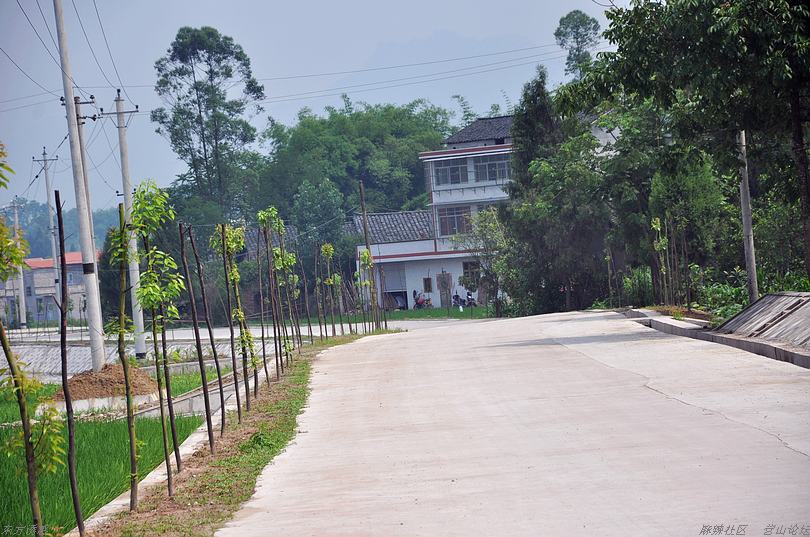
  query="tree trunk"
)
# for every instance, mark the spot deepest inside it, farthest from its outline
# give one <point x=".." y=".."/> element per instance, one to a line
<point x="306" y="300"/>
<point x="30" y="459"/>
<point x="168" y="379"/>
<point x="63" y="325"/>
<point x="271" y="289"/>
<point x="244" y="335"/>
<point x="207" y="311"/>
<point x="261" y="308"/>
<point x="229" y="315"/>
<point x="197" y="341"/>
<point x="800" y="158"/>
<point x="122" y="357"/>
<point x="159" y="377"/>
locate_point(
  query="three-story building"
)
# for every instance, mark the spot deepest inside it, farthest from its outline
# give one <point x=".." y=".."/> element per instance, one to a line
<point x="414" y="251"/>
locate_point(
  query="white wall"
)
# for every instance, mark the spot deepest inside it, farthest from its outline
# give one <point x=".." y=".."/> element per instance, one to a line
<point x="416" y="270"/>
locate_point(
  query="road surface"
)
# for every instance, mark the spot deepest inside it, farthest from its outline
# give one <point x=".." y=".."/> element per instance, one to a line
<point x="566" y="424"/>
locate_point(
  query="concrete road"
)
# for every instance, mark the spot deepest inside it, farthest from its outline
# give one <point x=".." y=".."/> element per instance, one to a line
<point x="567" y="424"/>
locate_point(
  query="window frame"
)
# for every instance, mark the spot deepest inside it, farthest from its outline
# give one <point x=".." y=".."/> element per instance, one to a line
<point x="451" y="172"/>
<point x="455" y="223"/>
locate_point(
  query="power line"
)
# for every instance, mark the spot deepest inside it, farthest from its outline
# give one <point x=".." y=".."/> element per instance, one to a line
<point x="414" y="77"/>
<point x="28" y="77"/>
<point x="59" y="64"/>
<point x="87" y="39"/>
<point x="109" y="52"/>
<point x="25" y="106"/>
<point x="309" y="95"/>
<point x="45" y="20"/>
<point x="414" y="64"/>
<point x="295" y="97"/>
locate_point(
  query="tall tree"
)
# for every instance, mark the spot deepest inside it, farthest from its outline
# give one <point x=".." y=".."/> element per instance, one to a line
<point x="205" y="126"/>
<point x="536" y="129"/>
<point x="577" y="32"/>
<point x="673" y="52"/>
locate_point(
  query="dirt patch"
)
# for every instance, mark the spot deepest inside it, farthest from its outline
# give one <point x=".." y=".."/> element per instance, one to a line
<point x="108" y="382"/>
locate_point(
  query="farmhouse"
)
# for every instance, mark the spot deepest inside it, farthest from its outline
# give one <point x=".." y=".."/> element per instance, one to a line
<point x="37" y="289"/>
<point x="414" y="252"/>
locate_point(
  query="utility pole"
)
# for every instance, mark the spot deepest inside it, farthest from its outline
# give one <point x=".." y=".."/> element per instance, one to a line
<point x="374" y="313"/>
<point x="45" y="160"/>
<point x="134" y="269"/>
<point x="21" y="295"/>
<point x="748" y="228"/>
<point x="94" y="322"/>
<point x="80" y="122"/>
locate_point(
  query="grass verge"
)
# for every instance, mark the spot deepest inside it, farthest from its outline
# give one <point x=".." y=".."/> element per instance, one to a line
<point x="10" y="412"/>
<point x="185" y="382"/>
<point x="212" y="487"/>
<point x="102" y="467"/>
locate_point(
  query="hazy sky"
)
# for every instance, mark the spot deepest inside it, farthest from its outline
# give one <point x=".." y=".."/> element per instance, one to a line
<point x="281" y="39"/>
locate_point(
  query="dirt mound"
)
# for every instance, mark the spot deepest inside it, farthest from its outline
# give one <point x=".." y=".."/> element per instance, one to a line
<point x="108" y="382"/>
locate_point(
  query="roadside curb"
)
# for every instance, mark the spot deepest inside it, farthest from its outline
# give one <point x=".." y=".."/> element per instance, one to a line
<point x="775" y="351"/>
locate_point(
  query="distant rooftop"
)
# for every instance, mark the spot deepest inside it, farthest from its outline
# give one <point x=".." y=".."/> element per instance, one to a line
<point x="400" y="226"/>
<point x="483" y="128"/>
<point x="73" y="258"/>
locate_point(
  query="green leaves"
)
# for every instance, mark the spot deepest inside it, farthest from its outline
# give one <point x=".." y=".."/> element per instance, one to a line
<point x="150" y="208"/>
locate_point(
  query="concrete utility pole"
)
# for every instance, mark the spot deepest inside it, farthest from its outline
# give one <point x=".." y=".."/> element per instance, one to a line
<point x="45" y="160"/>
<point x="21" y="295"/>
<point x="748" y="228"/>
<point x="374" y="312"/>
<point x="94" y="322"/>
<point x="134" y="269"/>
<point x="85" y="176"/>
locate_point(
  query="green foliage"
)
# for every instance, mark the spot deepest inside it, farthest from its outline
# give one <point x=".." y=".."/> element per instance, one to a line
<point x="318" y="217"/>
<point x="637" y="287"/>
<point x="35" y="393"/>
<point x="208" y="129"/>
<point x="379" y="144"/>
<point x="5" y="169"/>
<point x="578" y="33"/>
<point x="102" y="458"/>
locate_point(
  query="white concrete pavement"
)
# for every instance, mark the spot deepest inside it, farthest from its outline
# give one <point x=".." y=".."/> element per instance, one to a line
<point x="567" y="424"/>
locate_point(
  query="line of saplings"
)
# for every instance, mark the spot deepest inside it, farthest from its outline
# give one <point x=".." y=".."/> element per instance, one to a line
<point x="161" y="284"/>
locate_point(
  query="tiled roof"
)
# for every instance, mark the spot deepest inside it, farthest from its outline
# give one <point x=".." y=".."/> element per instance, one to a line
<point x="401" y="226"/>
<point x="483" y="128"/>
<point x="73" y="258"/>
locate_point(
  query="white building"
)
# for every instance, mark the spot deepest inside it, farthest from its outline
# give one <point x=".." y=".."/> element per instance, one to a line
<point x="413" y="250"/>
<point x="37" y="290"/>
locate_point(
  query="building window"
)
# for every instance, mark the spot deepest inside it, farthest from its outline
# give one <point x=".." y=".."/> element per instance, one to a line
<point x="28" y="290"/>
<point x="492" y="168"/>
<point x="427" y="285"/>
<point x="471" y="270"/>
<point x="454" y="220"/>
<point x="450" y="172"/>
<point x="71" y="278"/>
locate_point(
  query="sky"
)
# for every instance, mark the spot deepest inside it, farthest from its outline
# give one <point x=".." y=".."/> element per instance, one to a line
<point x="282" y="39"/>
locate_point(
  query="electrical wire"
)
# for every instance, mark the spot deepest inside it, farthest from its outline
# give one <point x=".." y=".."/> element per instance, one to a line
<point x="414" y="64"/>
<point x="90" y="46"/>
<point x="109" y="52"/>
<point x="45" y="20"/>
<point x="31" y="24"/>
<point x="414" y="77"/>
<point x="28" y="77"/>
<point x="25" y="106"/>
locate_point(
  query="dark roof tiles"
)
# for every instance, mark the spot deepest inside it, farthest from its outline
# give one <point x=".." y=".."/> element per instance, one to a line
<point x="483" y="128"/>
<point x="400" y="226"/>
